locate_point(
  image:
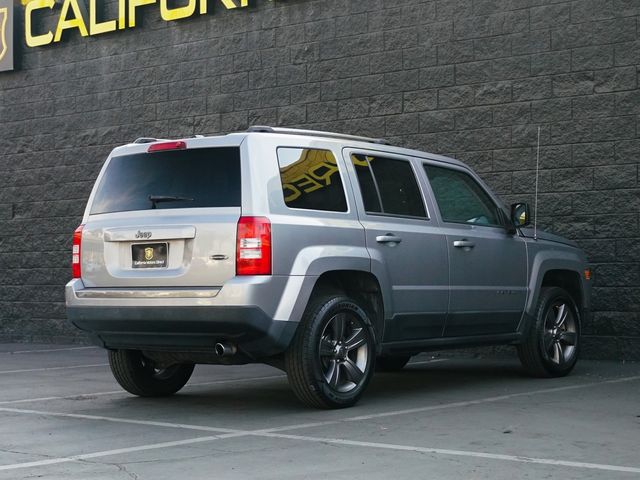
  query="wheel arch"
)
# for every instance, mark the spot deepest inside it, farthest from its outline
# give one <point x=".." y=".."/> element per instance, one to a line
<point x="360" y="285"/>
<point x="565" y="272"/>
<point x="568" y="280"/>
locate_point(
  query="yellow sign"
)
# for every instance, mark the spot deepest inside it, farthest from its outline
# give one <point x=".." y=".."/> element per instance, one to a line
<point x="4" y="15"/>
<point x="72" y="16"/>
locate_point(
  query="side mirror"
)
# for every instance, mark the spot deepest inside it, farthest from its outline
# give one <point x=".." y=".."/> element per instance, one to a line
<point x="520" y="214"/>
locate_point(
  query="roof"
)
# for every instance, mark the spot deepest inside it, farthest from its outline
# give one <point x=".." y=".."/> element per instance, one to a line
<point x="380" y="144"/>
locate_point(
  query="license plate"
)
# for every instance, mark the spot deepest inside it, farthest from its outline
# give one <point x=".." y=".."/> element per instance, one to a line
<point x="149" y="255"/>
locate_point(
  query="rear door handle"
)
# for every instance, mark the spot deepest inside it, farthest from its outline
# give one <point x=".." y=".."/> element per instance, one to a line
<point x="388" y="238"/>
<point x="463" y="244"/>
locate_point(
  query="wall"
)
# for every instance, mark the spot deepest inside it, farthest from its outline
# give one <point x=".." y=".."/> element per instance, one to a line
<point x="472" y="79"/>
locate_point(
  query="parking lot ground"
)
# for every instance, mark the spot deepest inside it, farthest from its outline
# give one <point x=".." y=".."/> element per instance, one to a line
<point x="62" y="416"/>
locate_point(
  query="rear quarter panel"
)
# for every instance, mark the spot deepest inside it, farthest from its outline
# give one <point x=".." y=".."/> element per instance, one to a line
<point x="305" y="243"/>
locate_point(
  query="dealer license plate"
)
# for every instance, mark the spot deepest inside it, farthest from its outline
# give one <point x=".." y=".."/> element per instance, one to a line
<point x="149" y="255"/>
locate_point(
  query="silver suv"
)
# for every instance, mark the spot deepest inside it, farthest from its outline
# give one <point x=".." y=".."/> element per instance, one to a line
<point x="325" y="255"/>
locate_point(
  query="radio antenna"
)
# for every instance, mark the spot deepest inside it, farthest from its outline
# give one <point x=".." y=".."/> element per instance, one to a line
<point x="535" y="208"/>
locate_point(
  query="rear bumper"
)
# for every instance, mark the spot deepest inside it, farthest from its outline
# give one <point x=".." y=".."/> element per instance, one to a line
<point x="245" y="314"/>
<point x="184" y="329"/>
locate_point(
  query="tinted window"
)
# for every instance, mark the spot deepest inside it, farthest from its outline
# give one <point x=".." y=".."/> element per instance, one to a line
<point x="311" y="180"/>
<point x="389" y="182"/>
<point x="202" y="177"/>
<point x="460" y="198"/>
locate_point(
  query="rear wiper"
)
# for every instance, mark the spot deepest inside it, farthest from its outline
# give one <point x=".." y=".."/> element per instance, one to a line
<point x="155" y="199"/>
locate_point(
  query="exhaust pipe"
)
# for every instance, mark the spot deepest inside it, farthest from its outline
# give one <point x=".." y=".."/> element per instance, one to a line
<point x="225" y="349"/>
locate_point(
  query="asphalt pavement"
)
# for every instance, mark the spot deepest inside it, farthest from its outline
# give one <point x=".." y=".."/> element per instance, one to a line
<point x="62" y="416"/>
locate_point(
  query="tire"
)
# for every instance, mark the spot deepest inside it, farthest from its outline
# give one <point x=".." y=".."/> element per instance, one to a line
<point x="137" y="375"/>
<point x="391" y="364"/>
<point x="552" y="345"/>
<point x="331" y="358"/>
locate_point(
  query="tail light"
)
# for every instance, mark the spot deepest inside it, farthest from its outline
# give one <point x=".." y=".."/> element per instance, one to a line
<point x="77" y="252"/>
<point x="253" y="247"/>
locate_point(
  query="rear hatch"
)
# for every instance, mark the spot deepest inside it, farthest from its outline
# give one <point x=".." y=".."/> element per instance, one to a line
<point x="164" y="219"/>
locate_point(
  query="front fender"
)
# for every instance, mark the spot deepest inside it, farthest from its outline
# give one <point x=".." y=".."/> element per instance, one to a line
<point x="544" y="261"/>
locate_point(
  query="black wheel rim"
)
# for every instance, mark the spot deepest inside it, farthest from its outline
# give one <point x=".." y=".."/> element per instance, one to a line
<point x="344" y="352"/>
<point x="560" y="337"/>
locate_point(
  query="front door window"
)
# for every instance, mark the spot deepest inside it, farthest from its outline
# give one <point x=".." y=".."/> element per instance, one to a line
<point x="460" y="198"/>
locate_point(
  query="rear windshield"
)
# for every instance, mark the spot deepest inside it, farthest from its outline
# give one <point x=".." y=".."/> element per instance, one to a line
<point x="203" y="177"/>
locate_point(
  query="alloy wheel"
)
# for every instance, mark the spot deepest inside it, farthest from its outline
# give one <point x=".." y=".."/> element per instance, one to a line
<point x="560" y="333"/>
<point x="344" y="352"/>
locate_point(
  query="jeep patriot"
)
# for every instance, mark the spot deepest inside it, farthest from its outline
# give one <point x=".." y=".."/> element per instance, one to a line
<point x="329" y="256"/>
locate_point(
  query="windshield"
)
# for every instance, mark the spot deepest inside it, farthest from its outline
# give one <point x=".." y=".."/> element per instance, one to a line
<point x="197" y="178"/>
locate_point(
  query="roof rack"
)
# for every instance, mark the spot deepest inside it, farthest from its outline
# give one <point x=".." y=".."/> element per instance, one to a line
<point x="315" y="133"/>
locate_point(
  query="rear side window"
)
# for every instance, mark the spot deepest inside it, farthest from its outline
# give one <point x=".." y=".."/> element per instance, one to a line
<point x="196" y="178"/>
<point x="388" y="186"/>
<point x="460" y="198"/>
<point x="311" y="180"/>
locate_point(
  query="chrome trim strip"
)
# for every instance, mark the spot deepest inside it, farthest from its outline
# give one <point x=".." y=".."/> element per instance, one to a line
<point x="147" y="293"/>
<point x="158" y="232"/>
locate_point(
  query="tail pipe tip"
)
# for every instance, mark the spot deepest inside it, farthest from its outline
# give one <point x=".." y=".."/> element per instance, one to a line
<point x="225" y="349"/>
